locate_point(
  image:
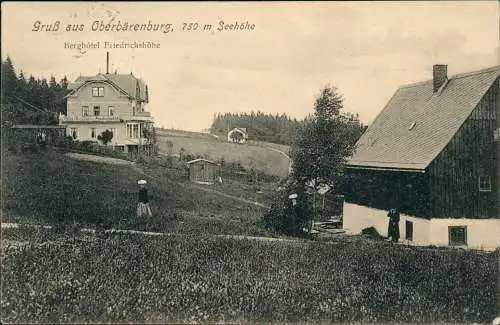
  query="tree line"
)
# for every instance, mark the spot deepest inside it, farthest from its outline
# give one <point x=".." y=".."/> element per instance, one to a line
<point x="30" y="100"/>
<point x="267" y="127"/>
<point x="260" y="126"/>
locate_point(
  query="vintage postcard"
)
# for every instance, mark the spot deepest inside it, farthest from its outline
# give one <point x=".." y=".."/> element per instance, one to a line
<point x="250" y="162"/>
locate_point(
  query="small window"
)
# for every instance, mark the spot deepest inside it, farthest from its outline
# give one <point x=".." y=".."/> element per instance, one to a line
<point x="92" y="133"/>
<point x="97" y="110"/>
<point x="111" y="110"/>
<point x="97" y="91"/>
<point x="412" y="125"/>
<point x="484" y="183"/>
<point x="457" y="235"/>
<point x="85" y="111"/>
<point x="409" y="230"/>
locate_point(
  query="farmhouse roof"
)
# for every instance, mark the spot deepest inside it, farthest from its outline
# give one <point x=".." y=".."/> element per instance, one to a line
<point x="418" y="121"/>
<point x="129" y="84"/>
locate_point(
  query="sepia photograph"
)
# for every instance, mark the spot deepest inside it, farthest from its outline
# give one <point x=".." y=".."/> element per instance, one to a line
<point x="270" y="162"/>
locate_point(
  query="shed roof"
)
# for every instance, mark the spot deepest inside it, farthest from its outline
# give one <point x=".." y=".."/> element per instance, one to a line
<point x="201" y="159"/>
<point x="416" y="124"/>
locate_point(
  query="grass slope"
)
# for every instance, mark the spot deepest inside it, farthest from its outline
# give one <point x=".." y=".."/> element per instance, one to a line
<point x="256" y="155"/>
<point x="51" y="188"/>
<point x="134" y="278"/>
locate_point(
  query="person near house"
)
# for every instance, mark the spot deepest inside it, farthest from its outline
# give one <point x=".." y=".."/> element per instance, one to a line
<point x="143" y="208"/>
<point x="293" y="212"/>
<point x="393" y="229"/>
<point x="43" y="139"/>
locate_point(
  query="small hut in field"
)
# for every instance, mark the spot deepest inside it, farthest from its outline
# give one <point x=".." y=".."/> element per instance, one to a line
<point x="202" y="171"/>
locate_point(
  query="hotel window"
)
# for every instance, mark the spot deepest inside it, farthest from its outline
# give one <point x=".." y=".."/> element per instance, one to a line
<point x="113" y="130"/>
<point x="74" y="133"/>
<point x="484" y="183"/>
<point x="111" y="111"/>
<point x="136" y="130"/>
<point x="85" y="111"/>
<point x="92" y="133"/>
<point x="133" y="130"/>
<point x="97" y="110"/>
<point x="97" y="91"/>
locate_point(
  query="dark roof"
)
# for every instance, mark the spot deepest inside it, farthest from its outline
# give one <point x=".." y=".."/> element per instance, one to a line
<point x="127" y="83"/>
<point x="32" y="126"/>
<point x="241" y="130"/>
<point x="393" y="141"/>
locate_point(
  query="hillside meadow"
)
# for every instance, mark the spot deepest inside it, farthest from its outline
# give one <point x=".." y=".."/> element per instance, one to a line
<point x="52" y="188"/>
<point x="258" y="155"/>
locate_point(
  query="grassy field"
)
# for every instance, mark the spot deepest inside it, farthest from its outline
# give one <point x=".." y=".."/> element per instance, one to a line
<point x="197" y="278"/>
<point x="259" y="155"/>
<point x="52" y="188"/>
<point x="63" y="275"/>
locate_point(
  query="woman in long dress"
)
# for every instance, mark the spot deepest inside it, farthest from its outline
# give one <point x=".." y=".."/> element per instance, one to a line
<point x="393" y="231"/>
<point x="143" y="208"/>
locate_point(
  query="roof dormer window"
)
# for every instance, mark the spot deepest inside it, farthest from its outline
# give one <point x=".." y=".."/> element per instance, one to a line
<point x="97" y="91"/>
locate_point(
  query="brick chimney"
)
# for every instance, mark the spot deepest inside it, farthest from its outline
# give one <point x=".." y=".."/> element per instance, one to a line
<point x="107" y="62"/>
<point x="440" y="76"/>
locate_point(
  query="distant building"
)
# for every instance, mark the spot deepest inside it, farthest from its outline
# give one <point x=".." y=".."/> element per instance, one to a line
<point x="237" y="135"/>
<point x="114" y="102"/>
<point x="203" y="171"/>
<point x="434" y="151"/>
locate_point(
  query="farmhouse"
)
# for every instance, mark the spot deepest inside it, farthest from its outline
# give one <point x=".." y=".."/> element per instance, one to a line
<point x="434" y="151"/>
<point x="238" y="135"/>
<point x="202" y="171"/>
<point x="114" y="102"/>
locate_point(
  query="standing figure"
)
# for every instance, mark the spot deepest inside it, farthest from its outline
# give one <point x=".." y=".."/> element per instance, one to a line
<point x="293" y="213"/>
<point x="393" y="230"/>
<point x="43" y="139"/>
<point x="143" y="208"/>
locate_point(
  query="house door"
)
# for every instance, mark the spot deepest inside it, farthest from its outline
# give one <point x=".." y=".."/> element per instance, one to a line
<point x="409" y="230"/>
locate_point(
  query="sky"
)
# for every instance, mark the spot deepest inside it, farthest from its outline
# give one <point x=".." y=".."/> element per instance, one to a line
<point x="364" y="49"/>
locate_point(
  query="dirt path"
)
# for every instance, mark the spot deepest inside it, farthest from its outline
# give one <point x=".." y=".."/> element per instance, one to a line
<point x="99" y="159"/>
<point x="129" y="231"/>
<point x="115" y="161"/>
<point x="205" y="189"/>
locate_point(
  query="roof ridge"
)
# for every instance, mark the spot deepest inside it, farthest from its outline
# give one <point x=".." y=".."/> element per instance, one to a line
<point x="456" y="76"/>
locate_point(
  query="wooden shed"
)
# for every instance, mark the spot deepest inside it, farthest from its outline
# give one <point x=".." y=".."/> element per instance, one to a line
<point x="203" y="171"/>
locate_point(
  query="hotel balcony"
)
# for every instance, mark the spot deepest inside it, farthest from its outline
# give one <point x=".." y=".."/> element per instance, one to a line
<point x="139" y="116"/>
<point x="89" y="118"/>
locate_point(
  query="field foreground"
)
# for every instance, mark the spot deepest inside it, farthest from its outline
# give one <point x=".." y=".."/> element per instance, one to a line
<point x="195" y="278"/>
